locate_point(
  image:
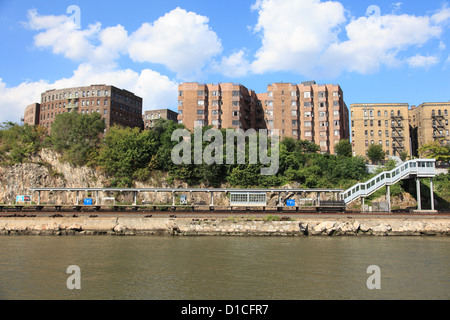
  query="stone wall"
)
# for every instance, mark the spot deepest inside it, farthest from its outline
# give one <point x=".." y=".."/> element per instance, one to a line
<point x="222" y="227"/>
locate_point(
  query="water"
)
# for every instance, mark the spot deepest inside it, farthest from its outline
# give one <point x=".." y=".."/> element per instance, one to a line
<point x="224" y="268"/>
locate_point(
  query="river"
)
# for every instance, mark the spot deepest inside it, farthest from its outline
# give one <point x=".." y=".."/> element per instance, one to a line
<point x="224" y="268"/>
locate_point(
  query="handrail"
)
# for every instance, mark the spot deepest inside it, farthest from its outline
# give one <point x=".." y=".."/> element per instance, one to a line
<point x="417" y="167"/>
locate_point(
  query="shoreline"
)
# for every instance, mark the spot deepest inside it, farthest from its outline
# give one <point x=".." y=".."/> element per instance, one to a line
<point x="296" y="227"/>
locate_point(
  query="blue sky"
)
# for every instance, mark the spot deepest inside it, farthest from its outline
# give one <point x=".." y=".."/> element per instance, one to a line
<point x="378" y="51"/>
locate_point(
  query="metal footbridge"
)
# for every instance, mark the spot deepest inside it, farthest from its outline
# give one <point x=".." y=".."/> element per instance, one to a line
<point x="417" y="168"/>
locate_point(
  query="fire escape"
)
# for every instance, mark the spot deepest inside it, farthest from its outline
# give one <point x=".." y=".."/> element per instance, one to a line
<point x="398" y="139"/>
<point x="438" y="127"/>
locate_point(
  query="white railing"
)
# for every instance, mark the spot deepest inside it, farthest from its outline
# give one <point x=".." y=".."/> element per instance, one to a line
<point x="418" y="167"/>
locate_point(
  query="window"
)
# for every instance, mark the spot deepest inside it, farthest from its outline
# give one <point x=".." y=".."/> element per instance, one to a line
<point x="106" y="102"/>
<point x="322" y="94"/>
<point x="235" y="113"/>
<point x="308" y="134"/>
<point x="337" y="132"/>
<point x="335" y="94"/>
<point x="336" y="103"/>
<point x="308" y="105"/>
<point x="308" y="123"/>
<point x="180" y="103"/>
<point x="365" y="123"/>
<point x="322" y="114"/>
<point x="294" y="113"/>
<point x="385" y="113"/>
<point x="215" y="93"/>
<point x="200" y="122"/>
<point x="366" y="133"/>
<point x="213" y="112"/>
<point x="294" y="122"/>
<point x="379" y="123"/>
<point x="98" y="102"/>
<point x="200" y="92"/>
<point x="380" y="143"/>
<point x="379" y="133"/>
<point x="200" y="112"/>
<point x="379" y="113"/>
<point x="323" y="143"/>
<point x="371" y="133"/>
<point x="337" y="123"/>
<point x="269" y="94"/>
<point x="235" y="123"/>
<point x="387" y="133"/>
<point x="307" y="114"/>
<point x="371" y="113"/>
<point x="294" y="133"/>
<point x="371" y="123"/>
<point x="215" y="103"/>
<point x="294" y="103"/>
<point x="387" y="143"/>
<point x="293" y="93"/>
<point x="180" y="93"/>
<point x="200" y="102"/>
<point x="386" y="123"/>
<point x="307" y="94"/>
<point x="215" y="122"/>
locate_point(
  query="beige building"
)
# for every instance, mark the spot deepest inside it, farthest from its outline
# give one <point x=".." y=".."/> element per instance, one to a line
<point x="429" y="122"/>
<point x="308" y="111"/>
<point x="384" y="124"/>
<point x="150" y="116"/>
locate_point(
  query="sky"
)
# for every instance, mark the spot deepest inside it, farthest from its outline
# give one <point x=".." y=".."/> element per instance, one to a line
<point x="377" y="51"/>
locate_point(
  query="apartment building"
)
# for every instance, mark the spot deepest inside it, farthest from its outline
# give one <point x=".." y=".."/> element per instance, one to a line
<point x="150" y="116"/>
<point x="429" y="122"/>
<point x="307" y="111"/>
<point x="224" y="105"/>
<point x="117" y="106"/>
<point x="32" y="114"/>
<point x="384" y="124"/>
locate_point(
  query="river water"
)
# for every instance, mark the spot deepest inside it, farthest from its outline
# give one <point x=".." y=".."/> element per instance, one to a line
<point x="224" y="268"/>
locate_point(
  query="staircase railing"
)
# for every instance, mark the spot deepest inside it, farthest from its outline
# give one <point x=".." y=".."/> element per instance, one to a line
<point x="417" y="167"/>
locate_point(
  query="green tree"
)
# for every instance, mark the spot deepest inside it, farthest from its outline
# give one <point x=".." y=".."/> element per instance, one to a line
<point x="434" y="150"/>
<point x="375" y="153"/>
<point x="77" y="136"/>
<point x="343" y="148"/>
<point x="128" y="154"/>
<point x="404" y="155"/>
<point x="18" y="143"/>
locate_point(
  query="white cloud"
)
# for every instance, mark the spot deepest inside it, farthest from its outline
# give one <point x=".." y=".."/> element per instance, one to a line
<point x="295" y="32"/>
<point x="306" y="37"/>
<point x="419" y="61"/>
<point x="235" y="65"/>
<point x="180" y="40"/>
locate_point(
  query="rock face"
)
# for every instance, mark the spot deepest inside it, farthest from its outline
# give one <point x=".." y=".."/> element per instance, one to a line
<point x="209" y="227"/>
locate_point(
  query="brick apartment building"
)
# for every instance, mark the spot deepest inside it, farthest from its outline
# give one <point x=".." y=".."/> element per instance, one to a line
<point x="32" y="114"/>
<point x="225" y="105"/>
<point x="150" y="116"/>
<point x="397" y="127"/>
<point x="384" y="124"/>
<point x="308" y="111"/>
<point x="428" y="123"/>
<point x="117" y="106"/>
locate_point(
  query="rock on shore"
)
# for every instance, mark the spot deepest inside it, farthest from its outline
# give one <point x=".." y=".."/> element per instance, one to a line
<point x="221" y="227"/>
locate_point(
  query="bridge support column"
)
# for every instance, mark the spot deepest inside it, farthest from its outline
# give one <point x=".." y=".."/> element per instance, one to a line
<point x="212" y="198"/>
<point x="362" y="204"/>
<point x="134" y="198"/>
<point x="173" y="198"/>
<point x="419" y="202"/>
<point x="388" y="197"/>
<point x="279" y="199"/>
<point x="431" y="194"/>
<point x="39" y="198"/>
<point x="78" y="198"/>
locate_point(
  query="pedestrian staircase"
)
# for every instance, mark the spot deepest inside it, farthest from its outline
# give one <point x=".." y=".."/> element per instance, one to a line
<point x="419" y="168"/>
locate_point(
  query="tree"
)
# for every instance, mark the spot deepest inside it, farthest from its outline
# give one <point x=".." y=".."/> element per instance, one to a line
<point x="376" y="153"/>
<point x="343" y="148"/>
<point x="128" y="154"/>
<point x="434" y="150"/>
<point x="404" y="156"/>
<point x="77" y="136"/>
